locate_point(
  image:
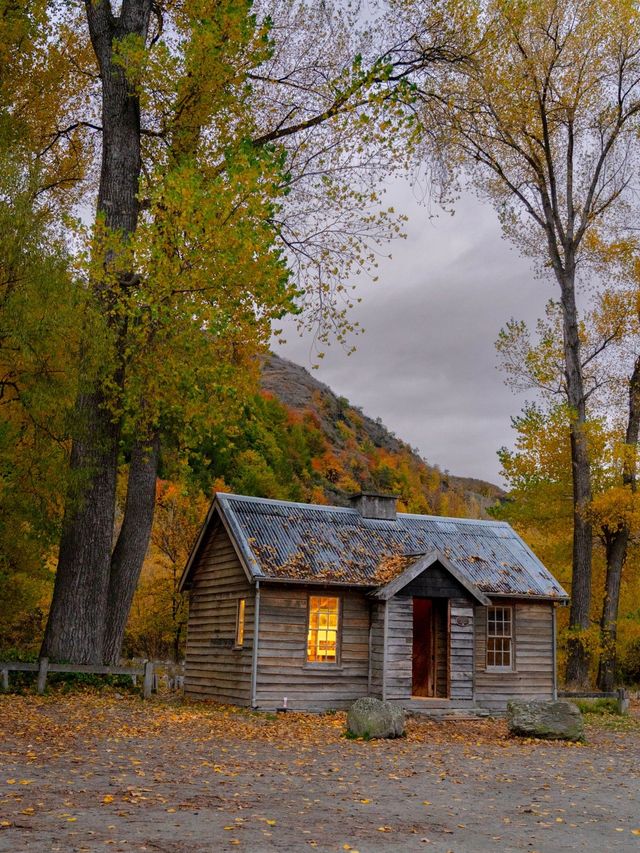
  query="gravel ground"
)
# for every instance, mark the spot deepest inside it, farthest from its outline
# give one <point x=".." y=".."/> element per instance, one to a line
<point x="93" y="772"/>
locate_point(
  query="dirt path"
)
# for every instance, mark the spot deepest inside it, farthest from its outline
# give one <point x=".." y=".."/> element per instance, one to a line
<point x="94" y="772"/>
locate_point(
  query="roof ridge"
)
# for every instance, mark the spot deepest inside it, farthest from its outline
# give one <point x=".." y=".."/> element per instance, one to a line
<point x="346" y="509"/>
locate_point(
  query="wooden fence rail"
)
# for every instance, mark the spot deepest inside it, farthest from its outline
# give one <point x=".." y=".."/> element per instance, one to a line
<point x="43" y="668"/>
<point x="621" y="696"/>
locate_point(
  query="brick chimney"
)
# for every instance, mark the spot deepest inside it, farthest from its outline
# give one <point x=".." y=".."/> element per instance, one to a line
<point x="372" y="505"/>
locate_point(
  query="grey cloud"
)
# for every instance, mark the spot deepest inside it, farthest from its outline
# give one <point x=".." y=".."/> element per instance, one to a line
<point x="427" y="363"/>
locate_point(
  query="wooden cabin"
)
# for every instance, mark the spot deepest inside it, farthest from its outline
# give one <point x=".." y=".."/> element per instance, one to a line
<point x="311" y="607"/>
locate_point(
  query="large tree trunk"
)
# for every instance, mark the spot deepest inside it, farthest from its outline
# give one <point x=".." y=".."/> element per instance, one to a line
<point x="132" y="544"/>
<point x="617" y="543"/>
<point x="75" y="629"/>
<point x="578" y="658"/>
<point x="616" y="550"/>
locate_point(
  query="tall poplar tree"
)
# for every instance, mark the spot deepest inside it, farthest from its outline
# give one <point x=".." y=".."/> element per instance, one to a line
<point x="544" y="118"/>
<point x="226" y="156"/>
<point x="539" y="471"/>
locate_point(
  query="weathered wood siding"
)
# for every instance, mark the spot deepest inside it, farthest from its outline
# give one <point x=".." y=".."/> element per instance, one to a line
<point x="213" y="667"/>
<point x="454" y="650"/>
<point x="532" y="675"/>
<point x="376" y="649"/>
<point x="442" y="649"/>
<point x="398" y="674"/>
<point x="461" y="634"/>
<point x="282" y="667"/>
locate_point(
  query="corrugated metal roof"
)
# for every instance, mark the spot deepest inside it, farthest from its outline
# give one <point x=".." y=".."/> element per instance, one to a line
<point x="291" y="541"/>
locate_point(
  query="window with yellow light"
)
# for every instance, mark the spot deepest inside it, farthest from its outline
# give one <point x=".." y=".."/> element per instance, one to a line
<point x="322" y="639"/>
<point x="242" y="603"/>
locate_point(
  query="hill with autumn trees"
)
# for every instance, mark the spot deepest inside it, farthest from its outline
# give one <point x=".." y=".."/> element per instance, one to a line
<point x="324" y="448"/>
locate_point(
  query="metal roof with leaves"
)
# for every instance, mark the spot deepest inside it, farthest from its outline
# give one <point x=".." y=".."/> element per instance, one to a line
<point x="294" y="542"/>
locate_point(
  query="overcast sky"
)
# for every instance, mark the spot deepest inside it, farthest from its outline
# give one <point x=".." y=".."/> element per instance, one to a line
<point x="427" y="364"/>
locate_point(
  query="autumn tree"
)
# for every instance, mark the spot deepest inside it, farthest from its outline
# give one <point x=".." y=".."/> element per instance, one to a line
<point x="611" y="369"/>
<point x="39" y="305"/>
<point x="158" y="619"/>
<point x="233" y="148"/>
<point x="543" y="116"/>
<point x="183" y="272"/>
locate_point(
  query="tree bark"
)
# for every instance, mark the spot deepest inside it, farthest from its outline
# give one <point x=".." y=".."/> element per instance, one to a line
<point x="578" y="658"/>
<point x="617" y="543"/>
<point x="76" y="624"/>
<point x="616" y="550"/>
<point x="133" y="542"/>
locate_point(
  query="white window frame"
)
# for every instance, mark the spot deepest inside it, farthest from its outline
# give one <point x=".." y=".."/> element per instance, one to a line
<point x="241" y="611"/>
<point x="501" y="635"/>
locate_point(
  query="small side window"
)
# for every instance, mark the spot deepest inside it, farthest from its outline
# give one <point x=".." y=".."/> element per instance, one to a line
<point x="240" y="622"/>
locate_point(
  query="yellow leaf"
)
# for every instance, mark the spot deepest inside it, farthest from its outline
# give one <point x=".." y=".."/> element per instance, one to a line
<point x="108" y="798"/>
<point x="365" y="801"/>
<point x="5" y="823"/>
<point x="25" y="781"/>
<point x="29" y="810"/>
<point x="171" y="811"/>
<point x="72" y="819"/>
<point x="426" y="803"/>
<point x="11" y="781"/>
<point x="635" y="832"/>
<point x="271" y="822"/>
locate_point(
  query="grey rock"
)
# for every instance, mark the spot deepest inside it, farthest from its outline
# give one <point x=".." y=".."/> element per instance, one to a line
<point x="371" y="718"/>
<point x="560" y="720"/>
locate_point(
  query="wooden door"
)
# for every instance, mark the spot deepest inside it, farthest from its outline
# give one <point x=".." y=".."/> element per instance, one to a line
<point x="424" y="648"/>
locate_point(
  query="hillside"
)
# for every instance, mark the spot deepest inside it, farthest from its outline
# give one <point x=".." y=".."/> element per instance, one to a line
<point x="297" y="440"/>
<point x="357" y="439"/>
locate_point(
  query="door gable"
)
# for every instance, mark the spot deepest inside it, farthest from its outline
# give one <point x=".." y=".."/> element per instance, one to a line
<point x="423" y="564"/>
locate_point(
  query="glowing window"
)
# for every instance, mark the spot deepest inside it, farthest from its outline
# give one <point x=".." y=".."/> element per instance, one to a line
<point x="240" y="621"/>
<point x="322" y="640"/>
<point x="499" y="637"/>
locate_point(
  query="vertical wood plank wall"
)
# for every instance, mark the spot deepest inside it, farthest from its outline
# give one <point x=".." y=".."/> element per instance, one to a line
<point x="442" y="648"/>
<point x="213" y="667"/>
<point x="377" y="648"/>
<point x="282" y="667"/>
<point x="399" y="660"/>
<point x="461" y="653"/>
<point x="532" y="677"/>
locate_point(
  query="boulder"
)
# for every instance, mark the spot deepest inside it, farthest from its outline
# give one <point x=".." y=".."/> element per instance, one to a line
<point x="370" y="718"/>
<point x="560" y="720"/>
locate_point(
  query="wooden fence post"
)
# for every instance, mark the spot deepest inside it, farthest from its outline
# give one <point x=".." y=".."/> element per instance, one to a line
<point x="42" y="674"/>
<point x="623" y="701"/>
<point x="147" y="684"/>
<point x="5" y="680"/>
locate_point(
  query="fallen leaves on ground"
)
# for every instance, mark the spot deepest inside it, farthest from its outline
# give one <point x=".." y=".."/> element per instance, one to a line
<point x="95" y="764"/>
